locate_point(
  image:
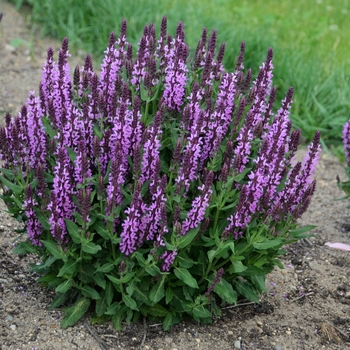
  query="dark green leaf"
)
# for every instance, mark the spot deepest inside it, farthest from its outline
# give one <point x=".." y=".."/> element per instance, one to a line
<point x="130" y="302"/>
<point x="107" y="267"/>
<point x="185" y="261"/>
<point x="55" y="250"/>
<point x="43" y="219"/>
<point x="109" y="293"/>
<point x="91" y="248"/>
<point x="101" y="304"/>
<point x="157" y="311"/>
<point x="69" y="268"/>
<point x="75" y="312"/>
<point x="141" y="296"/>
<point x="157" y="291"/>
<point x="153" y="270"/>
<point x="237" y="266"/>
<point x="113" y="308"/>
<point x="73" y="231"/>
<point x="183" y="275"/>
<point x="200" y="312"/>
<point x="259" y="282"/>
<point x="168" y="321"/>
<point x="63" y="287"/>
<point x="225" y="291"/>
<point x="8" y="173"/>
<point x="23" y="248"/>
<point x="246" y="290"/>
<point x="90" y="293"/>
<point x="299" y="232"/>
<point x="127" y="277"/>
<point x="100" y="280"/>
<point x="117" y="320"/>
<point x="14" y="188"/>
<point x="186" y="240"/>
<point x="268" y="244"/>
<point x="59" y="300"/>
<point x="168" y="295"/>
<point x="100" y="228"/>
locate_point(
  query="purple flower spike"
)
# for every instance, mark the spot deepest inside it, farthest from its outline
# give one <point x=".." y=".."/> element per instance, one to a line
<point x="175" y="73"/>
<point x="346" y="141"/>
<point x="36" y="133"/>
<point x="168" y="258"/>
<point x="199" y="205"/>
<point x="61" y="205"/>
<point x="33" y="226"/>
<point x="134" y="226"/>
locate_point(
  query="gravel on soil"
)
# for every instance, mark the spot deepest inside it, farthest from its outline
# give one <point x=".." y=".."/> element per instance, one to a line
<point x="307" y="305"/>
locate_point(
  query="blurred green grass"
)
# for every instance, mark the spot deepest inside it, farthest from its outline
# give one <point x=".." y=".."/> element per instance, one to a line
<point x="310" y="39"/>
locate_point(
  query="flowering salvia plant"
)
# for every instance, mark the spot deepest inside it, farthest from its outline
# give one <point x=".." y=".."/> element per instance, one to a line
<point x="163" y="187"/>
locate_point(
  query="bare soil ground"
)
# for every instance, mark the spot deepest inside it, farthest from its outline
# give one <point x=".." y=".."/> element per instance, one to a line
<point x="307" y="305"/>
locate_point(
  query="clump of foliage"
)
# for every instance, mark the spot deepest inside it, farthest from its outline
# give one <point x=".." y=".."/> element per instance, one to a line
<point x="161" y="188"/>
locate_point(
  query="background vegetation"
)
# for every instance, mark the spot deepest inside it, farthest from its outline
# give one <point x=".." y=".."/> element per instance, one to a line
<point x="310" y="41"/>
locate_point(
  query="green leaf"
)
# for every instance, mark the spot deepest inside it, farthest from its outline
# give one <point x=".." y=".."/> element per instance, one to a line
<point x="117" y="320"/>
<point x="114" y="308"/>
<point x="14" y="188"/>
<point x="23" y="248"/>
<point x="43" y="219"/>
<point x="183" y="275"/>
<point x="185" y="261"/>
<point x="168" y="295"/>
<point x="299" y="232"/>
<point x="259" y="282"/>
<point x="107" y="267"/>
<point x="59" y="300"/>
<point x="186" y="240"/>
<point x="237" y="266"/>
<point x="91" y="248"/>
<point x="101" y="304"/>
<point x="8" y="173"/>
<point x="141" y="296"/>
<point x="75" y="312"/>
<point x="168" y="321"/>
<point x="63" y="287"/>
<point x="157" y="291"/>
<point x="153" y="270"/>
<point x="101" y="230"/>
<point x="126" y="278"/>
<point x="69" y="268"/>
<point x="90" y="293"/>
<point x="199" y="313"/>
<point x="73" y="231"/>
<point x="225" y="291"/>
<point x="246" y="290"/>
<point x="56" y="251"/>
<point x="157" y="311"/>
<point x="130" y="302"/>
<point x="268" y="244"/>
<point x="109" y="293"/>
<point x="100" y="280"/>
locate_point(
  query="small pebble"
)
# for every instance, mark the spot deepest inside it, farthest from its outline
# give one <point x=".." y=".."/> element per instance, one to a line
<point x="168" y="340"/>
<point x="13" y="327"/>
<point x="230" y="333"/>
<point x="237" y="344"/>
<point x="3" y="280"/>
<point x="10" y="318"/>
<point x="278" y="347"/>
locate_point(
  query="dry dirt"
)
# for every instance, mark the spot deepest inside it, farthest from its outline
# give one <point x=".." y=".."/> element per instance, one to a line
<point x="307" y="305"/>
